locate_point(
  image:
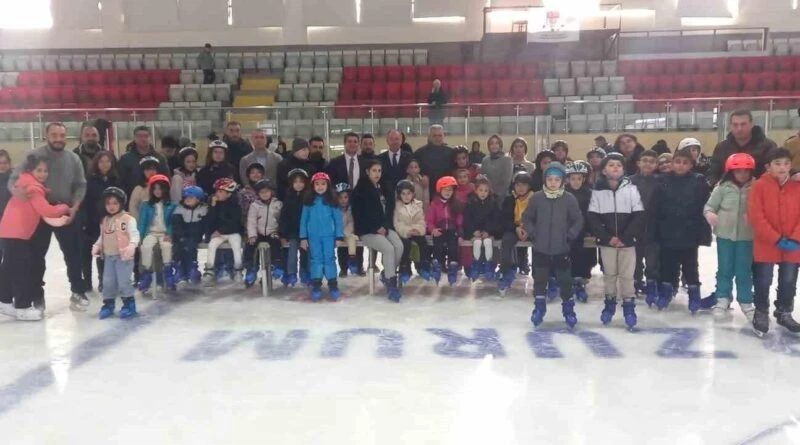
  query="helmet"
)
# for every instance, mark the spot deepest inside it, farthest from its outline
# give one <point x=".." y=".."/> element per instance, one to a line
<point x="596" y="151"/>
<point x="740" y="161"/>
<point x="217" y="144"/>
<point x="522" y="177"/>
<point x="148" y="160"/>
<point x="156" y="179"/>
<point x="116" y="192"/>
<point x="297" y="171"/>
<point x="320" y="176"/>
<point x="193" y="191"/>
<point x="342" y="187"/>
<point x="404" y="184"/>
<point x="187" y="151"/>
<point x="688" y="142"/>
<point x="579" y="166"/>
<point x="227" y="184"/>
<point x="264" y="184"/>
<point x="444" y="182"/>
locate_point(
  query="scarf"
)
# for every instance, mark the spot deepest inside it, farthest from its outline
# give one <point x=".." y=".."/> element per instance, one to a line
<point x="553" y="194"/>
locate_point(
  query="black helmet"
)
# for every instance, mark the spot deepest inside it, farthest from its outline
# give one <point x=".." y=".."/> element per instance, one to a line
<point x="149" y="161"/>
<point x="116" y="192"/>
<point x="522" y="177"/>
<point x="404" y="184"/>
<point x="297" y="172"/>
<point x="264" y="184"/>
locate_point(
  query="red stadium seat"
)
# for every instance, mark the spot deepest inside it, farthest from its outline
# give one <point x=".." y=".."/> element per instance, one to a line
<point x="81" y="78"/>
<point x="699" y="83"/>
<point x="97" y="78"/>
<point x="51" y="78"/>
<point x="767" y="80"/>
<point x="364" y="73"/>
<point x="145" y="94"/>
<point x="500" y="72"/>
<point x="99" y="94"/>
<point x="784" y="81"/>
<point x="425" y="73"/>
<point x="155" y="77"/>
<point x="130" y="94"/>
<point x="393" y="91"/>
<point x="537" y="89"/>
<point x="732" y="83"/>
<point x="160" y="93"/>
<point x="650" y="84"/>
<point x="455" y="88"/>
<point x="489" y="89"/>
<point x="737" y="65"/>
<point x="520" y="89"/>
<point x="394" y="73"/>
<point x="719" y="66"/>
<point x="22" y="95"/>
<point x="689" y="66"/>
<point x="172" y="76"/>
<point x="7" y="97"/>
<point x="362" y="92"/>
<point x="409" y="91"/>
<point x="471" y="72"/>
<point x="531" y="71"/>
<point x="796" y="81"/>
<point x="377" y="91"/>
<point x="486" y="72"/>
<point x="125" y="78"/>
<point x="471" y="88"/>
<point x="350" y="74"/>
<point x="683" y="83"/>
<point x="409" y="74"/>
<point x="656" y="67"/>
<point x="750" y="81"/>
<point x="504" y="90"/>
<point x="672" y="67"/>
<point x="379" y="74"/>
<point x="51" y="95"/>
<point x="715" y="83"/>
<point x="457" y="72"/>
<point x="786" y="64"/>
<point x="441" y="72"/>
<point x="83" y="95"/>
<point x="626" y="68"/>
<point x="347" y="91"/>
<point x="666" y="84"/>
<point x="769" y="64"/>
<point x="516" y="72"/>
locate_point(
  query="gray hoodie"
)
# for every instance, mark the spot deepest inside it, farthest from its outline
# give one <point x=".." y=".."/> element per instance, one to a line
<point x="552" y="224"/>
<point x="66" y="182"/>
<point x="499" y="170"/>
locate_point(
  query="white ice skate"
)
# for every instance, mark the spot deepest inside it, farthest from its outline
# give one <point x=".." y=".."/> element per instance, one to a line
<point x="748" y="310"/>
<point x="29" y="314"/>
<point x="721" y="310"/>
<point x="8" y="310"/>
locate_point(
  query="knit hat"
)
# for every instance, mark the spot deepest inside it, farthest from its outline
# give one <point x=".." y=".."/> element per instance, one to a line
<point x="299" y="144"/>
<point x="555" y="169"/>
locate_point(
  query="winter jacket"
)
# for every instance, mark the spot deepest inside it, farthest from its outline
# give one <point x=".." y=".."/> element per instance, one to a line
<point x="584" y="197"/>
<point x="289" y="226"/>
<point x="632" y="161"/>
<point x="224" y="217"/>
<point x="481" y="216"/>
<point x="437" y="99"/>
<point x="793" y="145"/>
<point x="93" y="205"/>
<point x="66" y="180"/>
<point x="647" y="187"/>
<point x="148" y="211"/>
<point x="131" y="173"/>
<point x="368" y="213"/>
<point x="512" y="206"/>
<point x="409" y="216"/>
<point x="138" y="196"/>
<point x="552" y="224"/>
<point x="435" y="161"/>
<point x="190" y="223"/>
<point x="679" y="216"/>
<point x="180" y="179"/>
<point x="321" y="220"/>
<point x="289" y="164"/>
<point x="537" y="173"/>
<point x="616" y="213"/>
<point x="211" y="173"/>
<point x="757" y="147"/>
<point x="123" y="227"/>
<point x="5" y="194"/>
<point x="702" y="165"/>
<point x="774" y="213"/>
<point x="263" y="218"/>
<point x="86" y="156"/>
<point x="23" y="216"/>
<point x="498" y="169"/>
<point x="246" y="197"/>
<point x="237" y="149"/>
<point x="422" y="193"/>
<point x="729" y="202"/>
<point x="440" y="216"/>
<point x="463" y="192"/>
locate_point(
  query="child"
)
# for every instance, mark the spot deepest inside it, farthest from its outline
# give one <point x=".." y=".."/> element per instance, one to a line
<point x="594" y="157"/>
<point x="149" y="166"/>
<point x="553" y="221"/>
<point x="155" y="227"/>
<point x="444" y="222"/>
<point x="519" y="149"/>
<point x="512" y="226"/>
<point x="561" y="150"/>
<point x="465" y="186"/>
<point x="217" y="167"/>
<point x="726" y="212"/>
<point x="461" y="161"/>
<point x="646" y="182"/>
<point x="480" y="227"/>
<point x="680" y="230"/>
<point x="664" y="163"/>
<point x="117" y="244"/>
<point x="409" y="222"/>
<point x="320" y="227"/>
<point x="421" y="183"/>
<point x="289" y="227"/>
<point x="582" y="259"/>
<point x="701" y="161"/>
<point x="247" y="195"/>
<point x="543" y="161"/>
<point x="774" y="212"/>
<point x="18" y="287"/>
<point x="346" y="255"/>
<point x="262" y="227"/>
<point x="188" y="228"/>
<point x="102" y="175"/>
<point x="185" y="175"/>
<point x="615" y="218"/>
<point x="224" y="225"/>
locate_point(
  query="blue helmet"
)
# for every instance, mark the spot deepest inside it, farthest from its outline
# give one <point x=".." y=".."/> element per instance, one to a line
<point x="193" y="191"/>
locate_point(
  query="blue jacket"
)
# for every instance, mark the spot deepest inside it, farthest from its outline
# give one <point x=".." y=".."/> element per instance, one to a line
<point x="321" y="220"/>
<point x="148" y="211"/>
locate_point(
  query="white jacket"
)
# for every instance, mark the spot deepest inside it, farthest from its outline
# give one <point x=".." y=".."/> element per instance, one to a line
<point x="409" y="216"/>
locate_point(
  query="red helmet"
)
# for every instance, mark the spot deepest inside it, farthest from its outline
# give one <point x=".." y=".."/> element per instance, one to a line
<point x="740" y="161"/>
<point x="157" y="178"/>
<point x="227" y="184"/>
<point x="444" y="182"/>
<point x="320" y="176"/>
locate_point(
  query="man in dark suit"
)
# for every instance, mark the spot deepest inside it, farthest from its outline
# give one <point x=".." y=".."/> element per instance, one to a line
<point x="348" y="168"/>
<point x="394" y="160"/>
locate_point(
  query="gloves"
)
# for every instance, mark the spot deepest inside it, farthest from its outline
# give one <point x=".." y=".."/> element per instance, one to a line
<point x="712" y="218"/>
<point x="788" y="245"/>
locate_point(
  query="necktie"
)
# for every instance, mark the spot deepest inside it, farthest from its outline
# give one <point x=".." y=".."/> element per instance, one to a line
<point x="350" y="171"/>
<point x="394" y="160"/>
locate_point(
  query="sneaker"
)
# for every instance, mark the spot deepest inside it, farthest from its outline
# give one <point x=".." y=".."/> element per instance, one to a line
<point x="78" y="302"/>
<point x="8" y="309"/>
<point x="29" y="314"/>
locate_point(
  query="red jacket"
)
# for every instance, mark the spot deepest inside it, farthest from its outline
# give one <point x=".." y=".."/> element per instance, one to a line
<point x="22" y="216"/>
<point x="440" y="217"/>
<point x="774" y="213"/>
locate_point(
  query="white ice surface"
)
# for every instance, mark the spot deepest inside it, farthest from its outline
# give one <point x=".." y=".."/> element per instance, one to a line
<point x="59" y="384"/>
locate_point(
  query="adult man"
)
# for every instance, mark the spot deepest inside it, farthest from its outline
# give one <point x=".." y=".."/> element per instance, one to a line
<point x="129" y="171"/>
<point x="66" y="184"/>
<point x="437" y="99"/>
<point x="435" y="158"/>
<point x="205" y="61"/>
<point x="90" y="145"/>
<point x="601" y="142"/>
<point x="394" y="161"/>
<point x="261" y="155"/>
<point x="743" y="138"/>
<point x="298" y="159"/>
<point x="793" y="145"/>
<point x="348" y="167"/>
<point x="170" y="146"/>
<point x="317" y="152"/>
<point x="237" y="146"/>
<point x="368" y="147"/>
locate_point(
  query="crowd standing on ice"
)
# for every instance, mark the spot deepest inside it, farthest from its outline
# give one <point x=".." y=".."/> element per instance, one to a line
<point x="640" y="214"/>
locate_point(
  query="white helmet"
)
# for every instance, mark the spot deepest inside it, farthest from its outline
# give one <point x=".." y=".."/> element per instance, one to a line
<point x="688" y="142"/>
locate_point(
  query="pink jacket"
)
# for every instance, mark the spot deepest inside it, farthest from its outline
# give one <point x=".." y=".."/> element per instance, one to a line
<point x="23" y="216"/>
<point x="440" y="217"/>
<point x="123" y="226"/>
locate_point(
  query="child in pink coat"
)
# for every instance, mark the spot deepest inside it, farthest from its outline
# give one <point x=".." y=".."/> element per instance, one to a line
<point x="444" y="221"/>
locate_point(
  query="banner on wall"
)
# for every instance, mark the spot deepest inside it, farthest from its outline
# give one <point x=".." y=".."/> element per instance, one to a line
<point x="552" y="25"/>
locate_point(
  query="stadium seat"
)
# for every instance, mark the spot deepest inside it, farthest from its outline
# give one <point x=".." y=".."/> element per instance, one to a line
<point x="732" y="82"/>
<point x="767" y="80"/>
<point x="425" y="73"/>
<point x="471" y="72"/>
<point x="441" y="72"/>
<point x="409" y="73"/>
<point x="379" y="74"/>
<point x="394" y="74"/>
<point x="699" y="83"/>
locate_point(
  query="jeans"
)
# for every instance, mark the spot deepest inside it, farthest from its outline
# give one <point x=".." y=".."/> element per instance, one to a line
<point x="675" y="261"/>
<point x="546" y="265"/>
<point x="19" y="274"/>
<point x="70" y="240"/>
<point x="117" y="278"/>
<point x="735" y="261"/>
<point x="185" y="254"/>
<point x="291" y="258"/>
<point x="390" y="246"/>
<point x="787" y="283"/>
<point x="647" y="256"/>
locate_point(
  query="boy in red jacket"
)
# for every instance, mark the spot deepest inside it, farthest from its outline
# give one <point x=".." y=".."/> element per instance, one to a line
<point x="774" y="213"/>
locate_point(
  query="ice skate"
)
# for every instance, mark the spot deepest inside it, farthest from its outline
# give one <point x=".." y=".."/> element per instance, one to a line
<point x="405" y="274"/>
<point x="289" y="280"/>
<point x="785" y="319"/>
<point x="552" y="289"/>
<point x="194" y="273"/>
<point x="145" y="281"/>
<point x="209" y="278"/>
<point x="721" y="310"/>
<point x="335" y="293"/>
<point x="489" y="271"/>
<point x="568" y="310"/>
<point x="609" y="310"/>
<point x="539" y="309"/>
<point x="352" y="266"/>
<point x="651" y="293"/>
<point x="709" y="302"/>
<point x="79" y="302"/>
<point x="452" y="273"/>
<point x="107" y="310"/>
<point x="316" y="290"/>
<point x="640" y="287"/>
<point x="436" y="273"/>
<point x="505" y="281"/>
<point x="760" y="323"/>
<point x="579" y="288"/>
<point x="748" y="310"/>
<point x="423" y="270"/>
<point x="128" y="308"/>
<point x="664" y="296"/>
<point x="170" y="280"/>
<point x="695" y="302"/>
<point x="629" y="312"/>
<point x="29" y="314"/>
<point x="250" y="276"/>
<point x="524" y="269"/>
<point x="475" y="271"/>
<point x="7" y="309"/>
<point x="277" y="272"/>
<point x="393" y="290"/>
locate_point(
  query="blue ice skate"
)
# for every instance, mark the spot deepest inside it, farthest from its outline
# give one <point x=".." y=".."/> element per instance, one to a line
<point x="250" y="276"/>
<point x="424" y="271"/>
<point x="405" y="274"/>
<point x="170" y="280"/>
<point x="651" y="293"/>
<point x="335" y="293"/>
<point x="539" y="309"/>
<point x="145" y="281"/>
<point x="694" y="299"/>
<point x="506" y="280"/>
<point x="107" y="310"/>
<point x="316" y="290"/>
<point x="665" y="294"/>
<point x="475" y="270"/>
<point x="289" y="280"/>
<point x="629" y="311"/>
<point x="568" y="311"/>
<point x="352" y="266"/>
<point x="579" y="288"/>
<point x="609" y="310"/>
<point x="489" y="271"/>
<point x="452" y="273"/>
<point x="194" y="273"/>
<point x="709" y="301"/>
<point x="436" y="274"/>
<point x="277" y="272"/>
<point x="392" y="290"/>
<point x="305" y="278"/>
<point x="128" y="308"/>
<point x="552" y="288"/>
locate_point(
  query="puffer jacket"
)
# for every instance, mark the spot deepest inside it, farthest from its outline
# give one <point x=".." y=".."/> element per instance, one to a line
<point x="552" y="224"/>
<point x="615" y="213"/>
<point x="263" y="218"/>
<point x="481" y="216"/>
<point x="679" y="216"/>
<point x="729" y="202"/>
<point x="584" y="197"/>
<point x="409" y="216"/>
<point x="123" y="227"/>
<point x="147" y="212"/>
<point x="209" y="174"/>
<point x="647" y="186"/>
<point x="93" y="205"/>
<point x="758" y="147"/>
<point x="224" y="217"/>
<point x="774" y="213"/>
<point x="508" y="210"/>
<point x="368" y="213"/>
<point x="440" y="216"/>
<point x="321" y="220"/>
<point x="23" y="216"/>
<point x="289" y="225"/>
<point x="190" y="223"/>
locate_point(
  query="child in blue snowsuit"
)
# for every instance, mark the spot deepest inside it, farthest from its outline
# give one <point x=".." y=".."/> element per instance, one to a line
<point x="320" y="227"/>
<point x="188" y="228"/>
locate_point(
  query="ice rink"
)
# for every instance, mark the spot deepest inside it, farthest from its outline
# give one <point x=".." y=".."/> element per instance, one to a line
<point x="446" y="366"/>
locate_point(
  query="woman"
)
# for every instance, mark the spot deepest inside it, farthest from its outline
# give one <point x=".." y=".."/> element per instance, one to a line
<point x="497" y="167"/>
<point x="373" y="209"/>
<point x="437" y="99"/>
<point x="217" y="167"/>
<point x="476" y="155"/>
<point x="518" y="151"/>
<point x="631" y="149"/>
